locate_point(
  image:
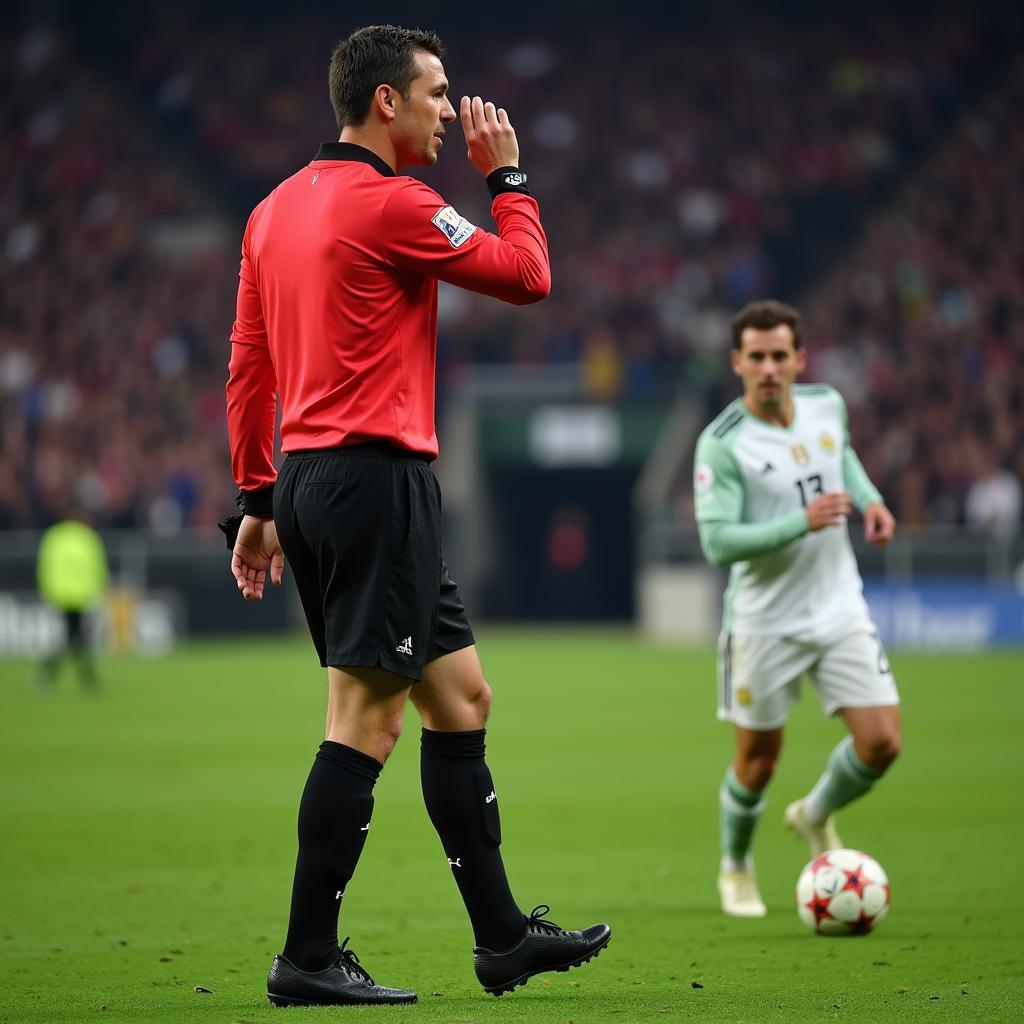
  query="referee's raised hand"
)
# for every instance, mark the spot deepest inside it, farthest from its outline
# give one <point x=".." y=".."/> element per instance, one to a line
<point x="256" y="550"/>
<point x="490" y="138"/>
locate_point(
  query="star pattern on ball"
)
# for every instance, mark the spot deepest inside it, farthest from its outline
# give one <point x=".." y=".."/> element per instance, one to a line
<point x="862" y="925"/>
<point x="818" y="906"/>
<point x="855" y="880"/>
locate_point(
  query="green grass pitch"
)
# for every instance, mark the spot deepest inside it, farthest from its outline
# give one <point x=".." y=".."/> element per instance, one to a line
<point x="148" y="843"/>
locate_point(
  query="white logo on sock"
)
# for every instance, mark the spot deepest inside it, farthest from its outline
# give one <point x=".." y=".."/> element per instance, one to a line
<point x="457" y="863"/>
<point x="491" y="798"/>
<point x="405" y="647"/>
<point x="339" y="894"/>
<point x="365" y="828"/>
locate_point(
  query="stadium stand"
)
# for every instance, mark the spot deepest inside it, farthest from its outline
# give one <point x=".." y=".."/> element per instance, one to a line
<point x="114" y="309"/>
<point x="924" y="327"/>
<point x="666" y="208"/>
<point x="662" y="203"/>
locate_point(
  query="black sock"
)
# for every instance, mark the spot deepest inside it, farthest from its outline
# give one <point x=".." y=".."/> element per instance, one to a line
<point x="86" y="670"/>
<point x="460" y="799"/>
<point x="334" y="816"/>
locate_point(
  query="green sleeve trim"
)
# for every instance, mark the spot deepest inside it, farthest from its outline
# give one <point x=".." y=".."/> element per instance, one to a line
<point x="725" y="543"/>
<point x="717" y="480"/>
<point x="858" y="483"/>
<point x="855" y="477"/>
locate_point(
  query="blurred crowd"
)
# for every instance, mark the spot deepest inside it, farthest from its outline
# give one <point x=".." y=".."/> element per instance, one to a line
<point x="112" y="339"/>
<point x="669" y="170"/>
<point x="664" y="165"/>
<point x="922" y="328"/>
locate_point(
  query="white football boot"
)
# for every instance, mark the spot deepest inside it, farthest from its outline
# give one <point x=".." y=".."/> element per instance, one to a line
<point x="738" y="892"/>
<point x="819" y="838"/>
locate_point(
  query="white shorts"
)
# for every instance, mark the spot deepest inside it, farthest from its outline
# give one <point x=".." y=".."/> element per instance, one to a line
<point x="759" y="676"/>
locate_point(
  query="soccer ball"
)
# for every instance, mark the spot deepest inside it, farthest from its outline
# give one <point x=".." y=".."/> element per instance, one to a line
<point x="842" y="892"/>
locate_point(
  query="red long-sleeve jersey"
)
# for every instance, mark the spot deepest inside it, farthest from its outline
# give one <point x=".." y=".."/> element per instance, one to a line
<point x="337" y="305"/>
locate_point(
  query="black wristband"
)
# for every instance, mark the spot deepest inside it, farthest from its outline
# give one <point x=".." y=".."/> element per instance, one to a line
<point x="507" y="179"/>
<point x="259" y="503"/>
<point x="230" y="526"/>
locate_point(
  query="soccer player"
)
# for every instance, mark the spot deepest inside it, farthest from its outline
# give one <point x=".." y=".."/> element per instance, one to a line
<point x="774" y="480"/>
<point x="337" y="312"/>
<point x="71" y="571"/>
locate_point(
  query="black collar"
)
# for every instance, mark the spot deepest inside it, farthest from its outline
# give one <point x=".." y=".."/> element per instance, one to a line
<point x="350" y="151"/>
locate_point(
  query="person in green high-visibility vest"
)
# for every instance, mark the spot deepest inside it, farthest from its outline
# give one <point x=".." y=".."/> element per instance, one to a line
<point x="71" y="571"/>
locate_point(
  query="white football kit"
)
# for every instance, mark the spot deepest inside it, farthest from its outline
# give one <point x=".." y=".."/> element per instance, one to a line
<point x="794" y="604"/>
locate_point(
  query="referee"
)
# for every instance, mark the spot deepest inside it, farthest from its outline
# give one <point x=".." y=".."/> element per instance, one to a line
<point x="337" y="314"/>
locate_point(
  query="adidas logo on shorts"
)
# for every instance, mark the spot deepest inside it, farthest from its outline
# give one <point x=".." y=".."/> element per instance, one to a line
<point x="405" y="647"/>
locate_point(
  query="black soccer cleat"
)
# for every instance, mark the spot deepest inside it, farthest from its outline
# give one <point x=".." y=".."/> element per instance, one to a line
<point x="344" y="983"/>
<point x="544" y="947"/>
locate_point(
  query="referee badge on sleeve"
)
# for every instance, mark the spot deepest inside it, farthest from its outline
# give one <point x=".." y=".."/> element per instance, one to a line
<point x="455" y="228"/>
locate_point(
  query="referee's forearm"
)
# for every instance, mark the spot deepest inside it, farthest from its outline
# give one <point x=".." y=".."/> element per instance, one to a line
<point x="251" y="412"/>
<point x="520" y="228"/>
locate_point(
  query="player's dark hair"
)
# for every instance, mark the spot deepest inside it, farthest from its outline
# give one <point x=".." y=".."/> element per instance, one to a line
<point x="763" y="315"/>
<point x="372" y="56"/>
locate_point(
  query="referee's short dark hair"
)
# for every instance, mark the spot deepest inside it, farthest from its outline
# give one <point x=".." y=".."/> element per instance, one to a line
<point x="372" y="56"/>
<point x="763" y="315"/>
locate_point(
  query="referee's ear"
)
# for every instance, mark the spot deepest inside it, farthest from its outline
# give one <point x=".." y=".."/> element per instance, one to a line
<point x="384" y="102"/>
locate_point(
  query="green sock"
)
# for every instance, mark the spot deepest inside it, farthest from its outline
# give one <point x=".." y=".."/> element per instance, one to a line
<point x="741" y="809"/>
<point x="846" y="777"/>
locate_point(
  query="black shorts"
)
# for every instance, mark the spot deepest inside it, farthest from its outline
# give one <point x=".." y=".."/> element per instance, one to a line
<point x="361" y="529"/>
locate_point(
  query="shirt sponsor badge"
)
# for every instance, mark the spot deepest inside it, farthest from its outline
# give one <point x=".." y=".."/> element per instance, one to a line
<point x="455" y="228"/>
